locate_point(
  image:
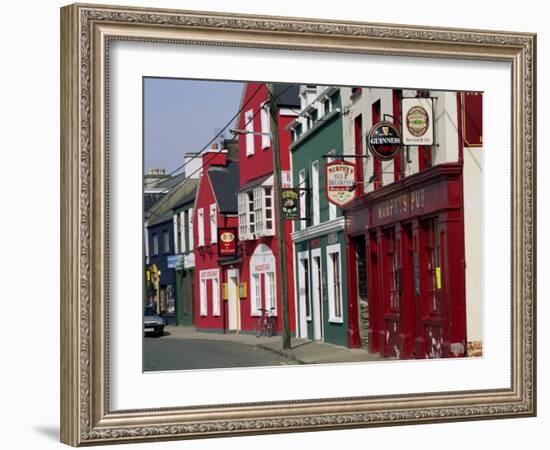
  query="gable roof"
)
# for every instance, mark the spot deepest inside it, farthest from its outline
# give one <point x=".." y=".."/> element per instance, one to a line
<point x="225" y="183"/>
<point x="162" y="210"/>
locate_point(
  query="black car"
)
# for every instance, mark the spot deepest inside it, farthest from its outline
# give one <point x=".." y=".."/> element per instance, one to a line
<point x="152" y="322"/>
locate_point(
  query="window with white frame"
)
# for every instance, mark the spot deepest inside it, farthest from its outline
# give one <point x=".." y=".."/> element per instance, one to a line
<point x="203" y="300"/>
<point x="182" y="229"/>
<point x="334" y="274"/>
<point x="327" y="106"/>
<point x="258" y="210"/>
<point x="255" y="292"/>
<point x="315" y="192"/>
<point x="270" y="292"/>
<point x="215" y="297"/>
<point x="266" y="138"/>
<point x="302" y="186"/>
<point x="249" y="127"/>
<point x="213" y="224"/>
<point x="242" y="204"/>
<point x="190" y="228"/>
<point x="200" y="224"/>
<point x="176" y="222"/>
<point x="251" y="216"/>
<point x="262" y="204"/>
<point x="331" y="206"/>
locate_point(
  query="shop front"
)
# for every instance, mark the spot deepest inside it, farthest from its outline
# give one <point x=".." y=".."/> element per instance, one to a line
<point x="411" y="234"/>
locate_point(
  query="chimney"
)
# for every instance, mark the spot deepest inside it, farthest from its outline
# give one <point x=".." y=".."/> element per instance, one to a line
<point x="214" y="157"/>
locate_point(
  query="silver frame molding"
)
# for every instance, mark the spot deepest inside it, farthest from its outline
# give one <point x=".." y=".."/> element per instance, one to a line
<point x="86" y="31"/>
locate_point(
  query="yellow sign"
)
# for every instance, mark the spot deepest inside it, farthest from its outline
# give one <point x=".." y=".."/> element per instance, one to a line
<point x="243" y="290"/>
<point x="438" y="277"/>
<point x="225" y="294"/>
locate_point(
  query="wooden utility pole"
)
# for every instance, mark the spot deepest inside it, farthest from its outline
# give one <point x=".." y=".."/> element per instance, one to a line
<point x="280" y="230"/>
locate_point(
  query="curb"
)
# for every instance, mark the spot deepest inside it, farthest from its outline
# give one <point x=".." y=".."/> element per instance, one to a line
<point x="281" y="353"/>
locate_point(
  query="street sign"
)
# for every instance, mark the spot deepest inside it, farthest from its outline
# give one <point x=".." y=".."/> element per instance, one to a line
<point x="340" y="182"/>
<point x="384" y="141"/>
<point x="290" y="208"/>
<point x="227" y="242"/>
<point x="417" y="121"/>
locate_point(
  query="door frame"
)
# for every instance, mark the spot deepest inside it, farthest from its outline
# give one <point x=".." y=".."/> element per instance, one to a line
<point x="317" y="291"/>
<point x="233" y="274"/>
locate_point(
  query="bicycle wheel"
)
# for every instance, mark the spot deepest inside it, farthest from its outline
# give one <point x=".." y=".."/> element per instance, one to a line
<point x="259" y="328"/>
<point x="270" y="327"/>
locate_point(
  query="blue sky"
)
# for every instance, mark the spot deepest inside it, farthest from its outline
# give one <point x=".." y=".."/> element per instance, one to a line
<point x="183" y="115"/>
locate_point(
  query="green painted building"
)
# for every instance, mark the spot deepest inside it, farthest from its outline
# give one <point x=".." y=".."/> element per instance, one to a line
<point x="185" y="267"/>
<point x="318" y="238"/>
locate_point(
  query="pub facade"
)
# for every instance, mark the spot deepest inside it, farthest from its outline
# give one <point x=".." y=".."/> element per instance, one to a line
<point x="414" y="229"/>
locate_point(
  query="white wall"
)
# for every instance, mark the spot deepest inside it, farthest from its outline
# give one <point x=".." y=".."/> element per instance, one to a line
<point x="29" y="379"/>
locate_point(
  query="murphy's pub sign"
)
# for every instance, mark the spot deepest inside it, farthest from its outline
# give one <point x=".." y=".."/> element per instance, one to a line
<point x="340" y="182"/>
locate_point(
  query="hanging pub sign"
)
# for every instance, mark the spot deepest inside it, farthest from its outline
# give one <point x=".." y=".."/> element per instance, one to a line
<point x="418" y="121"/>
<point x="384" y="141"/>
<point x="340" y="182"/>
<point x="227" y="242"/>
<point x="290" y="204"/>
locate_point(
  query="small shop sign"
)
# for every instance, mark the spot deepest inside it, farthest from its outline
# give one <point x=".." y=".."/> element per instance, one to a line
<point x="227" y="242"/>
<point x="290" y="204"/>
<point x="418" y="121"/>
<point x="175" y="262"/>
<point x="340" y="182"/>
<point x="384" y="141"/>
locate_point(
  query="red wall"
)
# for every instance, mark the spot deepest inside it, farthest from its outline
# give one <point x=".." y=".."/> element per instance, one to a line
<point x="208" y="259"/>
<point x="261" y="163"/>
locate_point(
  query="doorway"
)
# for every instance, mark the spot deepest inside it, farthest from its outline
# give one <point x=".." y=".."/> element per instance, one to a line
<point x="317" y="294"/>
<point x="233" y="300"/>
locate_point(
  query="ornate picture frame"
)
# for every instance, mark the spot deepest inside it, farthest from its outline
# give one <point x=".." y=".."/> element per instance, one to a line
<point x="86" y="34"/>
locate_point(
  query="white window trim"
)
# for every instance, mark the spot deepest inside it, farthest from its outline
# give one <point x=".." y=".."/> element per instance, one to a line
<point x="266" y="126"/>
<point x="254" y="310"/>
<point x="215" y="282"/>
<point x="176" y="241"/>
<point x="182" y="243"/>
<point x="301" y="257"/>
<point x="200" y="224"/>
<point x="244" y="229"/>
<point x="213" y="224"/>
<point x="249" y="136"/>
<point x="332" y="249"/>
<point x="332" y="208"/>
<point x="190" y="228"/>
<point x="266" y="292"/>
<point x="203" y="298"/>
<point x="315" y="192"/>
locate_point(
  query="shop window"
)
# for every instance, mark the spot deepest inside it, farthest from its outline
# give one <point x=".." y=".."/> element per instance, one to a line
<point x="256" y="301"/>
<point x="270" y="291"/>
<point x="393" y="269"/>
<point x="215" y="297"/>
<point x="203" y="304"/>
<point x="433" y="266"/>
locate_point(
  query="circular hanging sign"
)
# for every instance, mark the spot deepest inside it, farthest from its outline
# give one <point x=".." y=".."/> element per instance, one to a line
<point x="384" y="140"/>
<point x="417" y="121"/>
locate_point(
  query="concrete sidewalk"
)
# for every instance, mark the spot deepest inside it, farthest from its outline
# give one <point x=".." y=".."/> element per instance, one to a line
<point x="302" y="351"/>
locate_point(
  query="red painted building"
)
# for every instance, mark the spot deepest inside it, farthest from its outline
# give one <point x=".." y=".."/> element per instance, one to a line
<point x="414" y="230"/>
<point x="256" y="267"/>
<point x="215" y="207"/>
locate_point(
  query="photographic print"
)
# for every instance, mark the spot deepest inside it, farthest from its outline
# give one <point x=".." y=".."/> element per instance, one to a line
<point x="292" y="224"/>
<point x="289" y="224"/>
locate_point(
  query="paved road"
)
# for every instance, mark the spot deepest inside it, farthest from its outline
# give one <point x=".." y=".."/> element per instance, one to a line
<point x="178" y="354"/>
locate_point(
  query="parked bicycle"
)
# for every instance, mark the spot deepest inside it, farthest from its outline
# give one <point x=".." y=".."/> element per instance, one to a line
<point x="267" y="323"/>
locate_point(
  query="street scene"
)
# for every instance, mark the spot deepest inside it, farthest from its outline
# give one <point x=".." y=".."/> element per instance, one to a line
<point x="289" y="224"/>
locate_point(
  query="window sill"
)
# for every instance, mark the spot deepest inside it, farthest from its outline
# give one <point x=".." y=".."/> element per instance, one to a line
<point x="336" y="320"/>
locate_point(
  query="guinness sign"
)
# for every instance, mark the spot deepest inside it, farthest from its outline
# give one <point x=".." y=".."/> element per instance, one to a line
<point x="384" y="141"/>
